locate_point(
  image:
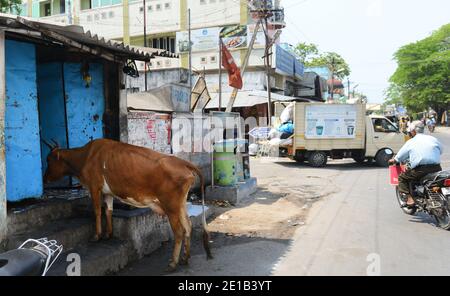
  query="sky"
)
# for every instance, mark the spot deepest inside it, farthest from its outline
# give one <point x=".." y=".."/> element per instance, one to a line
<point x="366" y="33"/>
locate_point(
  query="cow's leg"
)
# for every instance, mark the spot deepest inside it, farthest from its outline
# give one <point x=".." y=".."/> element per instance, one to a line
<point x="109" y="209"/>
<point x="178" y="232"/>
<point x="96" y="196"/>
<point x="187" y="225"/>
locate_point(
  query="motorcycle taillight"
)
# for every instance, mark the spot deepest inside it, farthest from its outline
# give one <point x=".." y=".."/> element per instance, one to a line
<point x="447" y="183"/>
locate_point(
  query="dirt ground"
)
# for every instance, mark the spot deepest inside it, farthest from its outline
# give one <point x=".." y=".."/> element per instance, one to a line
<point x="260" y="226"/>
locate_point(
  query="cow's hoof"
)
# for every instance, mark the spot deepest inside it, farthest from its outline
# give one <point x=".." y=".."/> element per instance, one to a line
<point x="171" y="268"/>
<point x="184" y="261"/>
<point x="95" y="238"/>
<point x="107" y="236"/>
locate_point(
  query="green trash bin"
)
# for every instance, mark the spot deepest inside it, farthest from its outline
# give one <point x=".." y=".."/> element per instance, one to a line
<point x="225" y="169"/>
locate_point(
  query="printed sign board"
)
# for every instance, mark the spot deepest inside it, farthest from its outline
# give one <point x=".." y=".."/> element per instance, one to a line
<point x="330" y="122"/>
<point x="202" y="40"/>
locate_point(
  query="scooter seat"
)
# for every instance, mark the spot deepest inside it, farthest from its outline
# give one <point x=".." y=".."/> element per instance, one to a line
<point x="21" y="262"/>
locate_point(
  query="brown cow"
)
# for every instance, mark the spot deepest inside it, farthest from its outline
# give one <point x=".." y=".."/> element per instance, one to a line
<point x="136" y="176"/>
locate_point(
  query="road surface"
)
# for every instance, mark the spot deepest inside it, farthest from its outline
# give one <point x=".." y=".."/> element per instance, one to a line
<point x="361" y="231"/>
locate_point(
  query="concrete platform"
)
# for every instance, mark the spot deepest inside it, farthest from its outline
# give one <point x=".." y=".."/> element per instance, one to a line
<point x="232" y="194"/>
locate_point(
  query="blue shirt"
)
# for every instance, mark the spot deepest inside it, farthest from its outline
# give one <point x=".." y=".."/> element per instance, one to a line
<point x="421" y="150"/>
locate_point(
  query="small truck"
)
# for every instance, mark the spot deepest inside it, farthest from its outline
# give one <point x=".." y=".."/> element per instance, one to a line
<point x="339" y="131"/>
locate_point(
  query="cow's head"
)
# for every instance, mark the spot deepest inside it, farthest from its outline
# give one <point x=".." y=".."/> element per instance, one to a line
<point x="56" y="167"/>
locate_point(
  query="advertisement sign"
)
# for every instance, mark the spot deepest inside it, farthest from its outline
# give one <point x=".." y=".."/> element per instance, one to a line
<point x="330" y="122"/>
<point x="202" y="40"/>
<point x="284" y="62"/>
<point x="234" y="36"/>
<point x="299" y="69"/>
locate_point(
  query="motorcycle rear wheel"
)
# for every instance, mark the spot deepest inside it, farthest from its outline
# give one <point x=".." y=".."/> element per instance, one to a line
<point x="443" y="220"/>
<point x="402" y="201"/>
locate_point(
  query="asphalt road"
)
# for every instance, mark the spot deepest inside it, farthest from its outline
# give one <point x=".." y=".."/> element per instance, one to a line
<point x="362" y="231"/>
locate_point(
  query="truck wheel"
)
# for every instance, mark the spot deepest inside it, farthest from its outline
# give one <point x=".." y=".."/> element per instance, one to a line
<point x="382" y="158"/>
<point x="318" y="159"/>
<point x="359" y="157"/>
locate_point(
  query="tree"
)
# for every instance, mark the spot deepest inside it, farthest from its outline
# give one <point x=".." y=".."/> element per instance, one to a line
<point x="11" y="6"/>
<point x="305" y="51"/>
<point x="422" y="76"/>
<point x="311" y="57"/>
<point x="334" y="61"/>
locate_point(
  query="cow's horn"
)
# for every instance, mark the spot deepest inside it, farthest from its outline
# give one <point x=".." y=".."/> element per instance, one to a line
<point x="49" y="145"/>
<point x="56" y="144"/>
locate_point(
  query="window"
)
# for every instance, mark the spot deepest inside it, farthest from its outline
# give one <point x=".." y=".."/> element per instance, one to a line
<point x="382" y="125"/>
<point x="141" y="9"/>
<point x="47" y="9"/>
<point x="212" y="1"/>
<point x="149" y="8"/>
<point x="89" y="18"/>
<point x="158" y="6"/>
<point x="103" y="15"/>
<point x="111" y="14"/>
<point x="203" y="60"/>
<point x="167" y="5"/>
<point x="212" y="59"/>
<point x="62" y="6"/>
<point x="202" y="2"/>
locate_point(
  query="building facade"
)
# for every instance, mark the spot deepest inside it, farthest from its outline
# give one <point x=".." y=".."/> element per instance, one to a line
<point x="167" y="24"/>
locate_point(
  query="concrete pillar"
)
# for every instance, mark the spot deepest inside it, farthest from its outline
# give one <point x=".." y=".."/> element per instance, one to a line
<point x="123" y="106"/>
<point x="3" y="225"/>
<point x="126" y="22"/>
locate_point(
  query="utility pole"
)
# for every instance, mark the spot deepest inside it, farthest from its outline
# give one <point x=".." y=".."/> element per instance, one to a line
<point x="348" y="86"/>
<point x="190" y="51"/>
<point x="268" y="54"/>
<point x="332" y="79"/>
<point x="145" y="44"/>
<point x="220" y="73"/>
<point x="264" y="14"/>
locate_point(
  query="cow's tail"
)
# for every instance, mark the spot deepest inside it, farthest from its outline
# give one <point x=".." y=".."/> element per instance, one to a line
<point x="205" y="226"/>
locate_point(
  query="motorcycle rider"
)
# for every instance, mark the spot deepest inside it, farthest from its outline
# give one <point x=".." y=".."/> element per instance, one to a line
<point x="424" y="154"/>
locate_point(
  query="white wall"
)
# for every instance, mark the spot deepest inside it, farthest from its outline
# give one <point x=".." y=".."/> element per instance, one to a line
<point x="103" y="21"/>
<point x="211" y="13"/>
<point x="167" y="19"/>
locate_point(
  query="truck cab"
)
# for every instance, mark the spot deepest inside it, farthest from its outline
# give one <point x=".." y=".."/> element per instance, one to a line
<point x="383" y="138"/>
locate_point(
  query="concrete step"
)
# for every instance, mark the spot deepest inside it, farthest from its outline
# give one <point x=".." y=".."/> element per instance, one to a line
<point x="97" y="258"/>
<point x="69" y="232"/>
<point x="44" y="212"/>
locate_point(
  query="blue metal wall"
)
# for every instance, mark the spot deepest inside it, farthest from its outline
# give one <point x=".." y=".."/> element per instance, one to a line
<point x="85" y="105"/>
<point x="23" y="153"/>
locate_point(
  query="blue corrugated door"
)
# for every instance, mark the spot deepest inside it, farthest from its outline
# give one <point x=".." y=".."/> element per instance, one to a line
<point x="23" y="152"/>
<point x="85" y="105"/>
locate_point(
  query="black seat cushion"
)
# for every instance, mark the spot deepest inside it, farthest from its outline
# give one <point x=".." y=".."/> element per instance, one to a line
<point x="436" y="175"/>
<point x="21" y="262"/>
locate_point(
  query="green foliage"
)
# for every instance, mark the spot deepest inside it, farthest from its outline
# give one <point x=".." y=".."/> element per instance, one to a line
<point x="11" y="6"/>
<point x="333" y="60"/>
<point x="422" y="77"/>
<point x="311" y="56"/>
<point x="305" y="51"/>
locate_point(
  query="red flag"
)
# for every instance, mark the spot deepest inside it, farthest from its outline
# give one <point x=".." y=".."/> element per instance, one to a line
<point x="234" y="74"/>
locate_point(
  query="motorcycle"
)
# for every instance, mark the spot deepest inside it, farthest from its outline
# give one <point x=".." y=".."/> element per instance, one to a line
<point x="431" y="195"/>
<point x="33" y="258"/>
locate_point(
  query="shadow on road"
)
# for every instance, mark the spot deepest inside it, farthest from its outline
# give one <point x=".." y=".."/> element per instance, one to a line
<point x="423" y="218"/>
